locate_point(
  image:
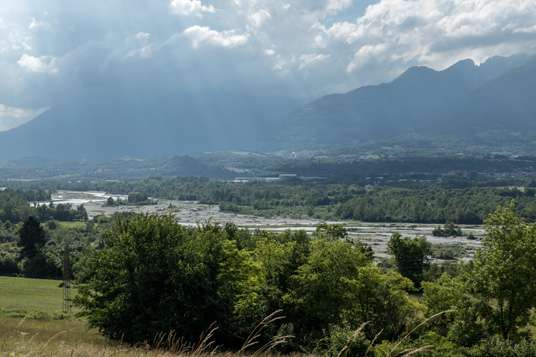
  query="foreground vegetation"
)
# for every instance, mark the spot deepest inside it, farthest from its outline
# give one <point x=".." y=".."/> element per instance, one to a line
<point x="154" y="280"/>
<point x="154" y="276"/>
<point x="45" y="331"/>
<point x="143" y="276"/>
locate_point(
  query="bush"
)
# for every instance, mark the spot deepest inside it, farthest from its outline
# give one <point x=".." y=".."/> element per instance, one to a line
<point x="154" y="276"/>
<point x="496" y="346"/>
<point x="8" y="265"/>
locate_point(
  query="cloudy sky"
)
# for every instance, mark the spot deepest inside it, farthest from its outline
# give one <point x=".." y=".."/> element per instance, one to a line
<point x="51" y="50"/>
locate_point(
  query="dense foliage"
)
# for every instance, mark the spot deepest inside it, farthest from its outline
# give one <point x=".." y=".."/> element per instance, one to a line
<point x="154" y="275"/>
<point x="22" y="255"/>
<point x="411" y="256"/>
<point x="150" y="275"/>
<point x="30" y="248"/>
<point x="382" y="201"/>
<point x="15" y="207"/>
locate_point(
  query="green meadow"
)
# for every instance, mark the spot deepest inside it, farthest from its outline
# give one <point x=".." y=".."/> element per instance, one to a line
<point x="36" y="298"/>
<point x="32" y="322"/>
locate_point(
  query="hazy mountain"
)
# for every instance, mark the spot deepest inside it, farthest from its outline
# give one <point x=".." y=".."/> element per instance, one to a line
<point x="490" y="104"/>
<point x="387" y="110"/>
<point x="502" y="111"/>
<point x="95" y="127"/>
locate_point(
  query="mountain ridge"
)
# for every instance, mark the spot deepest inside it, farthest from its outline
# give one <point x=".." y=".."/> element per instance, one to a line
<point x="377" y="113"/>
<point x="98" y="128"/>
<point x="464" y="105"/>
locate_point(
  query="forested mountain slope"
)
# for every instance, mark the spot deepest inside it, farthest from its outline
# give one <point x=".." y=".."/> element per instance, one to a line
<point x="99" y="127"/>
<point x="385" y="111"/>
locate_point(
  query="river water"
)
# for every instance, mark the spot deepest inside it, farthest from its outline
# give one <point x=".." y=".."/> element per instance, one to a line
<point x="192" y="213"/>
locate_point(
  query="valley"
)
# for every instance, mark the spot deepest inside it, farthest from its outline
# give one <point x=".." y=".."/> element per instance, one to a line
<point x="363" y="215"/>
<point x="191" y="213"/>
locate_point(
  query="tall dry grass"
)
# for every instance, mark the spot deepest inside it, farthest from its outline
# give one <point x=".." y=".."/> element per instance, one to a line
<point x="25" y="338"/>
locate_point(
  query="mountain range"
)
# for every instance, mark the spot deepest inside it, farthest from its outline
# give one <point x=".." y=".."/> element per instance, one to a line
<point x="422" y="108"/>
<point x="491" y="106"/>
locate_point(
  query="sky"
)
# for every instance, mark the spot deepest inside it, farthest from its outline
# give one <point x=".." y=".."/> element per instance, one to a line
<point x="54" y="50"/>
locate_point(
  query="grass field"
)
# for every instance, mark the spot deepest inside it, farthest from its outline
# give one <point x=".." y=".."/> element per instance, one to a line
<point x="36" y="298"/>
<point x="31" y="315"/>
<point x="45" y="331"/>
<point x="72" y="225"/>
<point x="32" y="324"/>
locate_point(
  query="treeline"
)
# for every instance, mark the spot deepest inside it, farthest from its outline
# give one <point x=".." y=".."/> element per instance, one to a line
<point x="35" y="250"/>
<point x="424" y="203"/>
<point x="15" y="207"/>
<point x="434" y="205"/>
<point x="334" y="298"/>
<point x="418" y="202"/>
<point x="235" y="278"/>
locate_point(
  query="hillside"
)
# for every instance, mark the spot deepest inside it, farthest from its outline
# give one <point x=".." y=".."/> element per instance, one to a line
<point x="488" y="108"/>
<point x="180" y="123"/>
<point x="397" y="110"/>
<point x="501" y="112"/>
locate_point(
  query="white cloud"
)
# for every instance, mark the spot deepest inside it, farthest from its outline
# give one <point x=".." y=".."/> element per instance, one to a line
<point x="190" y="7"/>
<point x="436" y="33"/>
<point x="282" y="41"/>
<point x="143" y="36"/>
<point x="34" y="24"/>
<point x="527" y="30"/>
<point x="258" y="18"/>
<point x="365" y="53"/>
<point x="18" y="39"/>
<point x="306" y="60"/>
<point x="203" y="34"/>
<point x="337" y="5"/>
<point x="319" y="41"/>
<point x="140" y="39"/>
<point x="38" y="64"/>
<point x="144" y="52"/>
<point x="11" y="117"/>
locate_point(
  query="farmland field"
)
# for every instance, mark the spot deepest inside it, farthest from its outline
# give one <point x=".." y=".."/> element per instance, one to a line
<point x="32" y="323"/>
<point x="20" y="297"/>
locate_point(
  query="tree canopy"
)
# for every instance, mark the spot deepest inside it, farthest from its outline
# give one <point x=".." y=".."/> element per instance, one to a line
<point x="32" y="238"/>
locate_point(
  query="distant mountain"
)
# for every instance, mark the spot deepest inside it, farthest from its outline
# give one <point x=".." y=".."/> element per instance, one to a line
<point x="500" y="112"/>
<point x="179" y="123"/>
<point x="128" y="169"/>
<point x="490" y="107"/>
<point x="388" y="110"/>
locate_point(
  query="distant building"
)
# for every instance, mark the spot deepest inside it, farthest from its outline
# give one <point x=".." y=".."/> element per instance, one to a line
<point x="255" y="179"/>
<point x="282" y="177"/>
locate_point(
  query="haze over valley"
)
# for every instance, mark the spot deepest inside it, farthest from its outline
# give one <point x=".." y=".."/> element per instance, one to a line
<point x="259" y="177"/>
<point x="484" y="108"/>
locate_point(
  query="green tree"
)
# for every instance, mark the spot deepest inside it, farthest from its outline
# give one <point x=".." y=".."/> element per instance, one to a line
<point x="381" y="300"/>
<point x="318" y="296"/>
<point x="444" y="294"/>
<point x="330" y="232"/>
<point x="502" y="276"/>
<point x="279" y="256"/>
<point x="154" y="275"/>
<point x="411" y="256"/>
<point x="32" y="238"/>
<point x="337" y="287"/>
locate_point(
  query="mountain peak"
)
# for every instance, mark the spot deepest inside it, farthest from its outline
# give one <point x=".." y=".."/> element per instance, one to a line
<point x="465" y="63"/>
<point x="463" y="67"/>
<point x="384" y="111"/>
